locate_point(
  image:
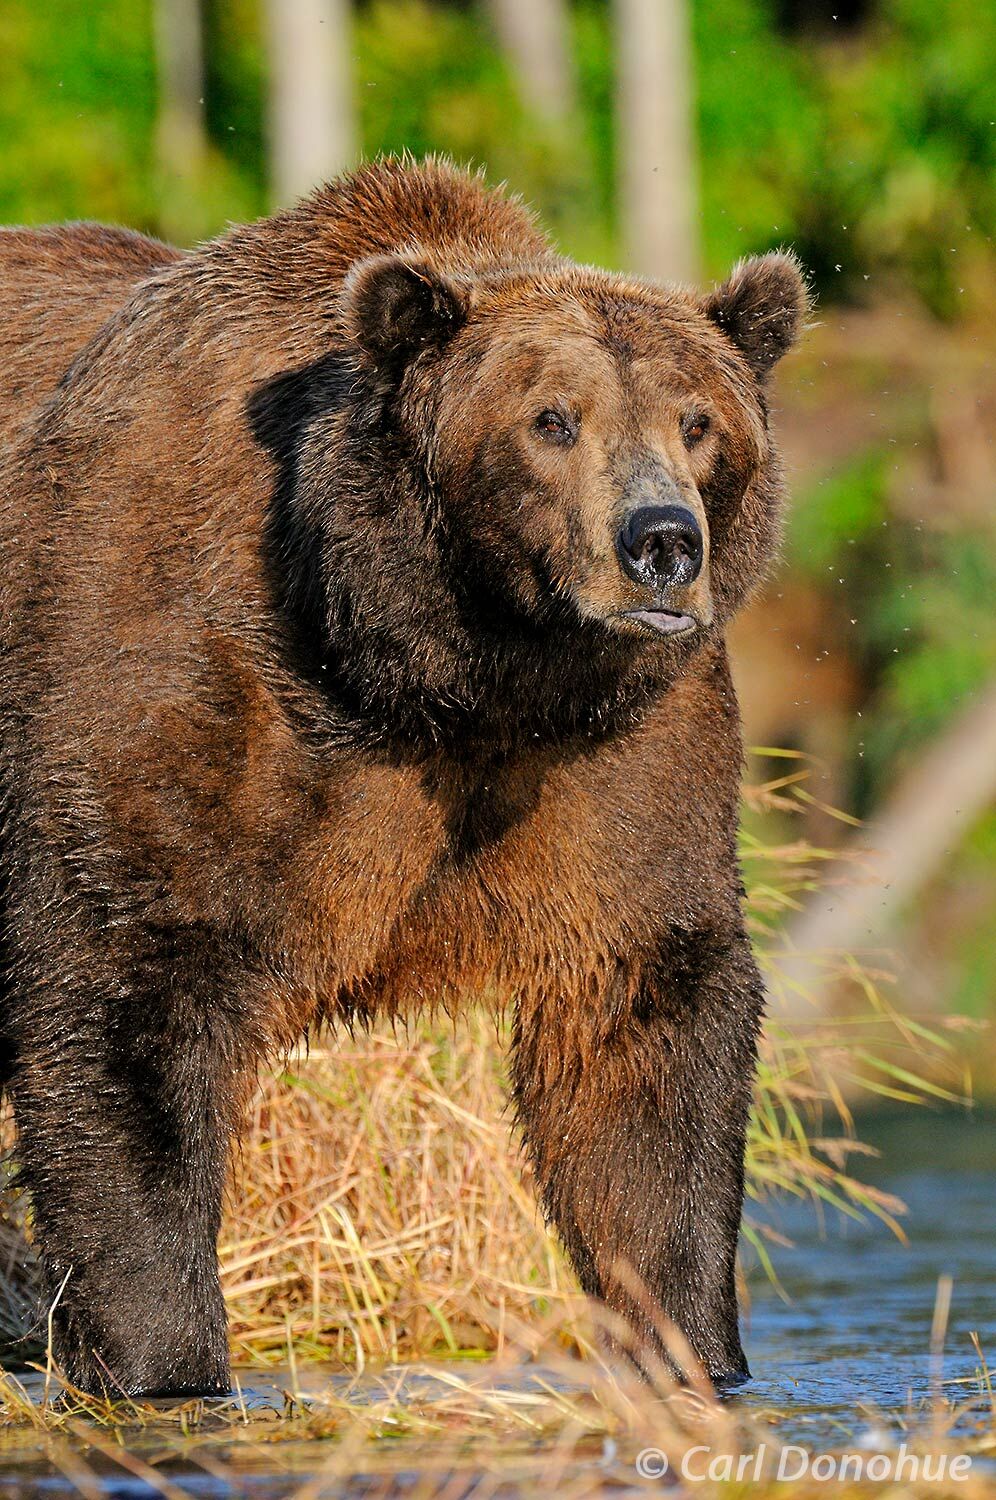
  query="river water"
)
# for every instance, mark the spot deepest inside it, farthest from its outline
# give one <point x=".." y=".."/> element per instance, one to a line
<point x="841" y="1358"/>
<point x="852" y="1348"/>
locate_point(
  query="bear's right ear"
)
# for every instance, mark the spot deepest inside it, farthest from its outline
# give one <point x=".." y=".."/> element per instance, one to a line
<point x="393" y="308"/>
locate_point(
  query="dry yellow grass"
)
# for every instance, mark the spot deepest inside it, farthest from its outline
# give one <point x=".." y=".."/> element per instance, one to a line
<point x="380" y="1209"/>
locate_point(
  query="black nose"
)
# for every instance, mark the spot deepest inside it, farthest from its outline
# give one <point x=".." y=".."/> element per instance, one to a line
<point x="661" y="546"/>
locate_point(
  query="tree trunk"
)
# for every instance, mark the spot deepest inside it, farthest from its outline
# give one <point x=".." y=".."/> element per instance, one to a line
<point x="657" y="171"/>
<point x="181" y="141"/>
<point x="536" y="36"/>
<point x="312" y="132"/>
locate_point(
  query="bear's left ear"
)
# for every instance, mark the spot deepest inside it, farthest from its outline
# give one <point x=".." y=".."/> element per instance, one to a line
<point x="394" y="307"/>
<point x="761" y="308"/>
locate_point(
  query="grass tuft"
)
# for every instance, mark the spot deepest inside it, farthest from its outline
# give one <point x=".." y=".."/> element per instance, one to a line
<point x="381" y="1210"/>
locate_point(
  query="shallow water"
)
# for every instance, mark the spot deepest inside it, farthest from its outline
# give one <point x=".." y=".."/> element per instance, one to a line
<point x="846" y="1361"/>
<point x="855" y="1339"/>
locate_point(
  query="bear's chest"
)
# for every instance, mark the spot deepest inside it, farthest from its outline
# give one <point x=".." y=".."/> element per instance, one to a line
<point x="528" y="877"/>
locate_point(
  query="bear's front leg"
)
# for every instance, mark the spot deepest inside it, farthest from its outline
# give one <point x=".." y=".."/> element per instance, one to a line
<point x="124" y="1096"/>
<point x="634" y="1110"/>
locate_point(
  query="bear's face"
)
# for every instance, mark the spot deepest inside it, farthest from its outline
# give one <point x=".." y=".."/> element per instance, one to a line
<point x="579" y="442"/>
<point x="598" y="448"/>
<point x="514" y="504"/>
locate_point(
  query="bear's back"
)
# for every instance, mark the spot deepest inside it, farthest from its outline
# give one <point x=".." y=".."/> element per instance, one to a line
<point x="272" y="285"/>
<point x="58" y="285"/>
<point x="395" y="204"/>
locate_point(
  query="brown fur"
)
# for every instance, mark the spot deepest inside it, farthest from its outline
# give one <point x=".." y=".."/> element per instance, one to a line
<point x="318" y="700"/>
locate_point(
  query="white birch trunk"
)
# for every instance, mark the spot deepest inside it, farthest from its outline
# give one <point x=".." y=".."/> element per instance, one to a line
<point x="181" y="141"/>
<point x="657" y="159"/>
<point x="535" y="35"/>
<point x="312" y="129"/>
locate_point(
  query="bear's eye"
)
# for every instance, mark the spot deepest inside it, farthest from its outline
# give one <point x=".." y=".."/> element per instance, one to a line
<point x="552" y="424"/>
<point x="694" y="428"/>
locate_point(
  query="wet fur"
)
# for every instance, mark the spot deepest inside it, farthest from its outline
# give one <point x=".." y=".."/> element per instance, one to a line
<point x="299" y="722"/>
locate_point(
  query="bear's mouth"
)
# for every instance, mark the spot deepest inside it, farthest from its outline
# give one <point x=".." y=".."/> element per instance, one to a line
<point x="663" y="621"/>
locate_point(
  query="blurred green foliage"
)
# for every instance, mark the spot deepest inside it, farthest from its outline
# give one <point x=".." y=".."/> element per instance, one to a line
<point x="77" y="105"/>
<point x="921" y="602"/>
<point x="873" y="153"/>
<point x="872" y="149"/>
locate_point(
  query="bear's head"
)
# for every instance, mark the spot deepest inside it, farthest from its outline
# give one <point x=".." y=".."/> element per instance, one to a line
<point x="548" y="485"/>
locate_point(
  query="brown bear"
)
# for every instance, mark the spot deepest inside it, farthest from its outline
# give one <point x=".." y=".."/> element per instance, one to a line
<point x="364" y="581"/>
